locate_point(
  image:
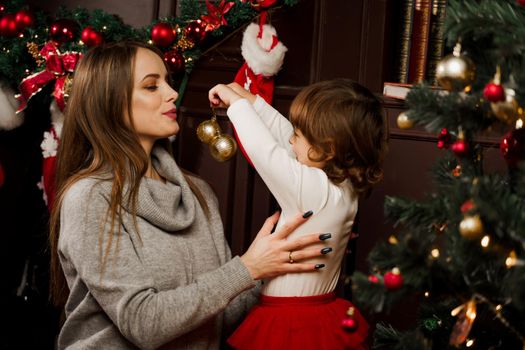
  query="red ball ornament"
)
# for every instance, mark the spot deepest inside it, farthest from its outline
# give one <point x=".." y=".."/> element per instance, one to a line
<point x="162" y="34"/>
<point x="513" y="147"/>
<point x="195" y="31"/>
<point x="8" y="25"/>
<point x="63" y="30"/>
<point x="91" y="37"/>
<point x="174" y="60"/>
<point x="24" y="19"/>
<point x="393" y="279"/>
<point x="349" y="323"/>
<point x="469" y="204"/>
<point x="521" y="2"/>
<point x="443" y="139"/>
<point x="494" y="92"/>
<point x="460" y="148"/>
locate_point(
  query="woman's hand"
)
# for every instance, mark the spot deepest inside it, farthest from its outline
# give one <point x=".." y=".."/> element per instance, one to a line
<point x="269" y="254"/>
<point x="222" y="96"/>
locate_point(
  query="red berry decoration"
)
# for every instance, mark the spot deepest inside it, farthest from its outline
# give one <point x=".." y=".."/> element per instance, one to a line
<point x="162" y="34"/>
<point x="469" y="204"/>
<point x="91" y="37"/>
<point x="195" y="31"/>
<point x="494" y="92"/>
<point x="513" y="146"/>
<point x="8" y="25"/>
<point x="443" y="139"/>
<point x="393" y="279"/>
<point x="24" y="19"/>
<point x="63" y="30"/>
<point x="174" y="60"/>
<point x="373" y="279"/>
<point x="349" y="323"/>
<point x="460" y="148"/>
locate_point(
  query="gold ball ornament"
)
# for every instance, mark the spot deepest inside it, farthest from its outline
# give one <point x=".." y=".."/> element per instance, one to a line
<point x="403" y="122"/>
<point x="471" y="227"/>
<point x="456" y="72"/>
<point x="506" y="111"/>
<point x="208" y="130"/>
<point x="223" y="147"/>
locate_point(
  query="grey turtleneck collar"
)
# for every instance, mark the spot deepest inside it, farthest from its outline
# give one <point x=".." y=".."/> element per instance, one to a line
<point x="171" y="205"/>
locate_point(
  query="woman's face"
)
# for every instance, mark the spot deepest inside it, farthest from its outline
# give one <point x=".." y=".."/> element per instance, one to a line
<point x="153" y="100"/>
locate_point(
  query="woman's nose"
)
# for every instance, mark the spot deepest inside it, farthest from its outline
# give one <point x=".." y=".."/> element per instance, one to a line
<point x="172" y="95"/>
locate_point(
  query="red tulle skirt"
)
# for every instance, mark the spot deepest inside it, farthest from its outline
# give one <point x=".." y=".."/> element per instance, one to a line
<point x="299" y="323"/>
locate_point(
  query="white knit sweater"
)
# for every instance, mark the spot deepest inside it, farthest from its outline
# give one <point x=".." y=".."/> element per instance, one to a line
<point x="264" y="134"/>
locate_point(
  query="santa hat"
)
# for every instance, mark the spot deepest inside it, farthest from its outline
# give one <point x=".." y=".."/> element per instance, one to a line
<point x="8" y="106"/>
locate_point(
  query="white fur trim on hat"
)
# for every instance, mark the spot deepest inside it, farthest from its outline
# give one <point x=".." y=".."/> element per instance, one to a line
<point x="256" y="51"/>
<point x="8" y="106"/>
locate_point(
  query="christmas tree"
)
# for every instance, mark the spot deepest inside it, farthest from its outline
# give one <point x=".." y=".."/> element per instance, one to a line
<point x="461" y="250"/>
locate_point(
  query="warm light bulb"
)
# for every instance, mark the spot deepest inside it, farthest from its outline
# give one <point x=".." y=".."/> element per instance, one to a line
<point x="519" y="123"/>
<point x="150" y="42"/>
<point x="485" y="241"/>
<point x="471" y="310"/>
<point x="393" y="240"/>
<point x="427" y="294"/>
<point x="469" y="343"/>
<point x="435" y="253"/>
<point x="511" y="259"/>
<point x="499" y="307"/>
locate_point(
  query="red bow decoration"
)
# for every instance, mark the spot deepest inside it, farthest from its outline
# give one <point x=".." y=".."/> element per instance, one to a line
<point x="58" y="68"/>
<point x="215" y="17"/>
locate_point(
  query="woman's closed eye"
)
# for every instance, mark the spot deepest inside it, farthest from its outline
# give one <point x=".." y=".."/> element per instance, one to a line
<point x="152" y="87"/>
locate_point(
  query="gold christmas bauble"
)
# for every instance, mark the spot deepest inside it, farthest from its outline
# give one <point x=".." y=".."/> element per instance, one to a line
<point x="455" y="72"/>
<point x="223" y="147"/>
<point x="506" y="111"/>
<point x="207" y="130"/>
<point x="471" y="226"/>
<point x="403" y="122"/>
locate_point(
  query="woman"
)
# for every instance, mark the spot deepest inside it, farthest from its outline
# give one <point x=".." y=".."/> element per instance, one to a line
<point x="139" y="257"/>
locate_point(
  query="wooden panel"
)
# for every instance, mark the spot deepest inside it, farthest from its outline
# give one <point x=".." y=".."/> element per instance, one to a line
<point x="137" y="13"/>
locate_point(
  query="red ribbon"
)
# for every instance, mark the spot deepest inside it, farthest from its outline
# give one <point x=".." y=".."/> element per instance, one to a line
<point x="215" y="17"/>
<point x="58" y="67"/>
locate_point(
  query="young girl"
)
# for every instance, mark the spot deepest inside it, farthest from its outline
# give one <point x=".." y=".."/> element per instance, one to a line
<point x="325" y="157"/>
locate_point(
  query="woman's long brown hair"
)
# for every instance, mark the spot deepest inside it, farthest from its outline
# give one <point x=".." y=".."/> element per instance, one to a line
<point x="97" y="141"/>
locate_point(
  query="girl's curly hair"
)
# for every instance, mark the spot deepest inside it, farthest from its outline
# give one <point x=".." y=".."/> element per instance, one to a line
<point x="345" y="124"/>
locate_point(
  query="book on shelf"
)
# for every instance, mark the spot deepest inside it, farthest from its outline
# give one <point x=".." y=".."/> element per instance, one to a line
<point x="407" y="15"/>
<point x="400" y="90"/>
<point x="436" y="39"/>
<point x="419" y="41"/>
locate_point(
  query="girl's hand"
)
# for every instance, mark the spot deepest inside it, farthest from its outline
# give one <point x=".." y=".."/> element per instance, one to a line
<point x="222" y="96"/>
<point x="242" y="92"/>
<point x="269" y="254"/>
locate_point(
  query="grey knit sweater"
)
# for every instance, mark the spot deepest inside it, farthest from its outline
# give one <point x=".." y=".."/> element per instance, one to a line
<point x="165" y="287"/>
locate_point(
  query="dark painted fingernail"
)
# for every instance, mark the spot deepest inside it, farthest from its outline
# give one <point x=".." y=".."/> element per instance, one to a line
<point x="325" y="236"/>
<point x="319" y="266"/>
<point x="326" y="250"/>
<point x="308" y="214"/>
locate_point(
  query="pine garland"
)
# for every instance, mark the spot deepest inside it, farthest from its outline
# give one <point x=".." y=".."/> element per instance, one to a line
<point x="16" y="62"/>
